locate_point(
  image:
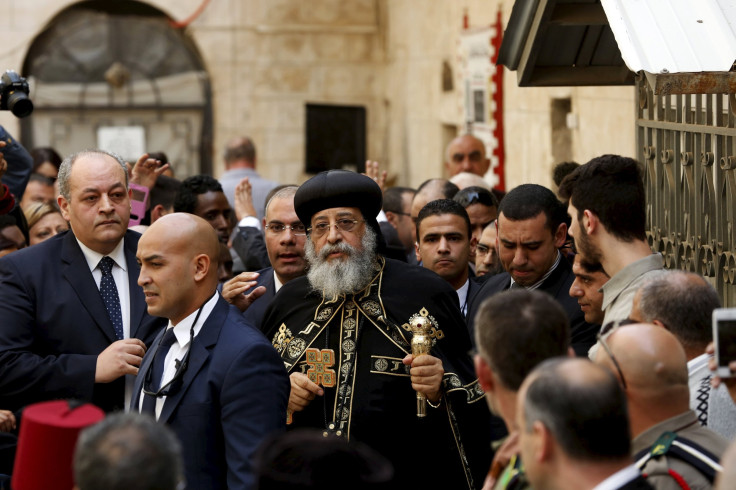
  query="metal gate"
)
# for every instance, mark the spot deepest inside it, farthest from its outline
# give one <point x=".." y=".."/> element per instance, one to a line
<point x="687" y="145"/>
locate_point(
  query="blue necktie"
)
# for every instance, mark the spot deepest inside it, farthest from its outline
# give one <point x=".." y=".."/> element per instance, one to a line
<point x="159" y="358"/>
<point x="110" y="296"/>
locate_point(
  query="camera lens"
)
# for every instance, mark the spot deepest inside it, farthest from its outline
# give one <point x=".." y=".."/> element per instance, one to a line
<point x="19" y="104"/>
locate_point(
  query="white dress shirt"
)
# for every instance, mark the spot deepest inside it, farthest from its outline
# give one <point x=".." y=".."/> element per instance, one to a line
<point x="619" y="479"/>
<point x="120" y="275"/>
<point x="462" y="296"/>
<point x="180" y="347"/>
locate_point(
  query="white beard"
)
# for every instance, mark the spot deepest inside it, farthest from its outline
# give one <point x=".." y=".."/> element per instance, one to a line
<point x="342" y="276"/>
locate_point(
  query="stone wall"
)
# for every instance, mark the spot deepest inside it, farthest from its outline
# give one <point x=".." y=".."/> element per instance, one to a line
<point x="268" y="58"/>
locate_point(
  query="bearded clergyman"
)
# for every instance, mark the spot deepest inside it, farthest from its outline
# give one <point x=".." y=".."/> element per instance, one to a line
<point x="344" y="334"/>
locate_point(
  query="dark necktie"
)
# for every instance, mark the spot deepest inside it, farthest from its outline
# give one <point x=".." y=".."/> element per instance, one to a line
<point x="110" y="296"/>
<point x="159" y="358"/>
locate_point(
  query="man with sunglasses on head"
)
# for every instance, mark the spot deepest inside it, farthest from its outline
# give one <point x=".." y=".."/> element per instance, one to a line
<point x="669" y="445"/>
<point x="482" y="208"/>
<point x="210" y="376"/>
<point x="284" y="237"/>
<point x="343" y="331"/>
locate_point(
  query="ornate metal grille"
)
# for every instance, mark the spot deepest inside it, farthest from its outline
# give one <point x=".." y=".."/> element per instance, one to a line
<point x="687" y="145"/>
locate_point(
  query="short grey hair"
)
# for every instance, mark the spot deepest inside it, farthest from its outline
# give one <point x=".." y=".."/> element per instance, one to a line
<point x="683" y="302"/>
<point x="282" y="193"/>
<point x="65" y="169"/>
<point x="588" y="416"/>
<point x="128" y="450"/>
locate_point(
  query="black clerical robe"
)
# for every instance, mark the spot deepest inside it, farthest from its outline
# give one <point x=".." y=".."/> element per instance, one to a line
<point x="354" y="345"/>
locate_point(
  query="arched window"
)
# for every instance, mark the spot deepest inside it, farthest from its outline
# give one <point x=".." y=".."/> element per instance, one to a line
<point x="120" y="66"/>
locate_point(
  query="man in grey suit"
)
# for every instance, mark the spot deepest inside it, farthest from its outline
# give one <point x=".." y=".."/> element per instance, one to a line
<point x="240" y="161"/>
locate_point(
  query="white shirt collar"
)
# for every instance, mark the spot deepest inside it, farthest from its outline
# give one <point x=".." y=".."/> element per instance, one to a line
<point x="619" y="479"/>
<point x="697" y="362"/>
<point x="462" y="296"/>
<point x="276" y="283"/>
<point x="544" y="277"/>
<point x="93" y="258"/>
<point x="181" y="329"/>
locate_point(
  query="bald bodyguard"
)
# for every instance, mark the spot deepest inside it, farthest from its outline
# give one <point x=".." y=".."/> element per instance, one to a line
<point x="213" y="378"/>
<point x="667" y="441"/>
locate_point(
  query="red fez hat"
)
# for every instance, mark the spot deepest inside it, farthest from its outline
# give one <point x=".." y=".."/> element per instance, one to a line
<point x="48" y="436"/>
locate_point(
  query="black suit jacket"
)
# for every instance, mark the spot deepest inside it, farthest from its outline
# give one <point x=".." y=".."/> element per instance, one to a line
<point x="256" y="311"/>
<point x="558" y="285"/>
<point x="54" y="324"/>
<point x="250" y="246"/>
<point x="394" y="248"/>
<point x="474" y="286"/>
<point x="233" y="394"/>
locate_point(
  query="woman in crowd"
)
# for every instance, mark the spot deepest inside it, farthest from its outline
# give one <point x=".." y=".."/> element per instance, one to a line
<point x="44" y="221"/>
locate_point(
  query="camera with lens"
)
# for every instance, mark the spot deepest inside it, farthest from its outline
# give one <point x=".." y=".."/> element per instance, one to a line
<point x="14" y="94"/>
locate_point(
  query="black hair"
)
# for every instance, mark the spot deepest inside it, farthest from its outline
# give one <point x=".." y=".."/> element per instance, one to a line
<point x="191" y="187"/>
<point x="443" y="206"/>
<point x="562" y="170"/>
<point x="45" y="154"/>
<point x="611" y="187"/>
<point x="475" y="195"/>
<point x="517" y="329"/>
<point x="528" y="200"/>
<point x="393" y="199"/>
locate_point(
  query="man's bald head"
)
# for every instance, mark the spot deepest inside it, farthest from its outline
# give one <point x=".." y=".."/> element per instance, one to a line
<point x="179" y="255"/>
<point x="466" y="153"/>
<point x="653" y="363"/>
<point x="190" y="232"/>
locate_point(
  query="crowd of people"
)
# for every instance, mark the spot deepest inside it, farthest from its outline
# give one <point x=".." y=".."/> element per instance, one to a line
<point x="343" y="333"/>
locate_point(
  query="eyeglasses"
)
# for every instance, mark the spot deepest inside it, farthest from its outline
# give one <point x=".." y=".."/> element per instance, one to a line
<point x="607" y="348"/>
<point x="278" y="228"/>
<point x="344" y="224"/>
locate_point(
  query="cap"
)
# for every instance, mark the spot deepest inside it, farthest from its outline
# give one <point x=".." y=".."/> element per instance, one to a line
<point x="48" y="436"/>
